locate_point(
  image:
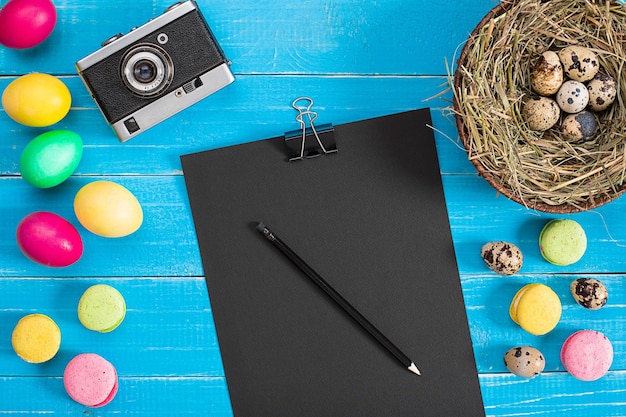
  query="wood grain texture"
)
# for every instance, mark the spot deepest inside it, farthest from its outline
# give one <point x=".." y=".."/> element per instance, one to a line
<point x="357" y="60"/>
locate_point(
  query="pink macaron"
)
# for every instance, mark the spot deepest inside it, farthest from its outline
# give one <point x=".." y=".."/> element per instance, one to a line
<point x="587" y="355"/>
<point x="90" y="380"/>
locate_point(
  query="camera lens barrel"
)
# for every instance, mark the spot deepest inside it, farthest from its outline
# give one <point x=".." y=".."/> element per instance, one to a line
<point x="147" y="70"/>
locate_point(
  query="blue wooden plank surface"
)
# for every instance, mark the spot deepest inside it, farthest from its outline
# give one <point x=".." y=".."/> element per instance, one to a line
<point x="357" y="60"/>
<point x="273" y="37"/>
<point x="252" y="108"/>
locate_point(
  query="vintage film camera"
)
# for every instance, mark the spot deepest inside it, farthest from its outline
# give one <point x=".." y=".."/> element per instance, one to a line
<point x="156" y="70"/>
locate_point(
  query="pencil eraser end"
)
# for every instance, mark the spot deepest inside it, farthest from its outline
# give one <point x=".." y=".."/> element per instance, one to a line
<point x="260" y="227"/>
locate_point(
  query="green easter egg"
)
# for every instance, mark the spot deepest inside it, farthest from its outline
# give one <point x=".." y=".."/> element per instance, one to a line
<point x="50" y="158"/>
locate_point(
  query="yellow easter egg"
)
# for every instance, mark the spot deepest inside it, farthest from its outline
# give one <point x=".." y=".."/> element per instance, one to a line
<point x="108" y="209"/>
<point x="36" y="100"/>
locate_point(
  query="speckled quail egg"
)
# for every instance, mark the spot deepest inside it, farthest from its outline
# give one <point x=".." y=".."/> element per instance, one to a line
<point x="589" y="293"/>
<point x="546" y="75"/>
<point x="524" y="361"/>
<point x="579" y="63"/>
<point x="502" y="257"/>
<point x="579" y="127"/>
<point x="541" y="113"/>
<point x="602" y="91"/>
<point x="572" y="97"/>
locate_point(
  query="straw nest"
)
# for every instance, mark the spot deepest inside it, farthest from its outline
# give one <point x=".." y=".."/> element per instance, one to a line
<point x="541" y="170"/>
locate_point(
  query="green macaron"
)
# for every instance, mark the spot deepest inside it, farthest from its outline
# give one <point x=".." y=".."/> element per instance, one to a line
<point x="101" y="308"/>
<point x="562" y="242"/>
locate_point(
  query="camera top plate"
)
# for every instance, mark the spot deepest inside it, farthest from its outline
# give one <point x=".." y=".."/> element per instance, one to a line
<point x="134" y="35"/>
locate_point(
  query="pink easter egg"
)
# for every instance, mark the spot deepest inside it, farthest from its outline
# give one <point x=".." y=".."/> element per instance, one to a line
<point x="48" y="239"/>
<point x="26" y="23"/>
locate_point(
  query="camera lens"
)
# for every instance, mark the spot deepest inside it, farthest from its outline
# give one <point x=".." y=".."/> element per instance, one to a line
<point x="147" y="70"/>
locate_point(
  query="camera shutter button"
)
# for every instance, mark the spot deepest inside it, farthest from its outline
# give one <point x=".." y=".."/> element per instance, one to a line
<point x="111" y="39"/>
<point x="173" y="6"/>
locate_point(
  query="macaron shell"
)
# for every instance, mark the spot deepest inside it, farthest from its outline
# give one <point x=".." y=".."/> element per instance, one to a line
<point x="536" y="308"/>
<point x="90" y="380"/>
<point x="36" y="338"/>
<point x="562" y="242"/>
<point x="111" y="395"/>
<point x="587" y="355"/>
<point x="515" y="303"/>
<point x="101" y="308"/>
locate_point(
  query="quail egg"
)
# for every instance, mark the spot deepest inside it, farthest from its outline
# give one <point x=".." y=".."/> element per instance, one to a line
<point x="524" y="361"/>
<point x="579" y="63"/>
<point x="502" y="257"/>
<point x="572" y="97"/>
<point x="541" y="113"/>
<point x="546" y="75"/>
<point x="589" y="293"/>
<point x="579" y="127"/>
<point x="602" y="91"/>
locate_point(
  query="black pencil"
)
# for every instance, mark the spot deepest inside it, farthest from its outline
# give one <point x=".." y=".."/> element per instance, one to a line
<point x="338" y="298"/>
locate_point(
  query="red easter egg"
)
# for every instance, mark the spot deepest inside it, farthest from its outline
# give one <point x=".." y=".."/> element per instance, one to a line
<point x="26" y="23"/>
<point x="48" y="239"/>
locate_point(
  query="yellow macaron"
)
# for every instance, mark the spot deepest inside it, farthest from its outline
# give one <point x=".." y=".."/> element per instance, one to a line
<point x="536" y="308"/>
<point x="36" y="338"/>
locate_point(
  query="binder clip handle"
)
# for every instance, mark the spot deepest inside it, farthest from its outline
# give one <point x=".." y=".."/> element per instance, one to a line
<point x="309" y="141"/>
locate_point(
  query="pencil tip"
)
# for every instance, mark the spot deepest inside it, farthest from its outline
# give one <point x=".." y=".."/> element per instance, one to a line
<point x="414" y="369"/>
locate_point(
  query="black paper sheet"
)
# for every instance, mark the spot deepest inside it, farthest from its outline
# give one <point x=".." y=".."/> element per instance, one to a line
<point x="371" y="219"/>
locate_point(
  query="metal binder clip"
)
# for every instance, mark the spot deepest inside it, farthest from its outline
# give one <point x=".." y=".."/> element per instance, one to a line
<point x="309" y="142"/>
